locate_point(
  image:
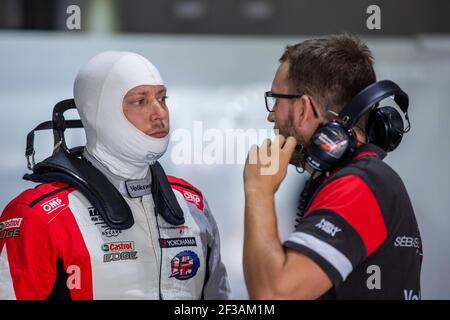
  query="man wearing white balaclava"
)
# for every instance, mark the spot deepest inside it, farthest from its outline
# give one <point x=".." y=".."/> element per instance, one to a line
<point x="58" y="245"/>
<point x="99" y="90"/>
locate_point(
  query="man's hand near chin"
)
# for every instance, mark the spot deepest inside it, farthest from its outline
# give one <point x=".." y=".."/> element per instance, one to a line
<point x="266" y="166"/>
<point x="272" y="271"/>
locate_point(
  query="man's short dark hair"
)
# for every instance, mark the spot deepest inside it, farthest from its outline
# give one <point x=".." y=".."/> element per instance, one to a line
<point x="332" y="70"/>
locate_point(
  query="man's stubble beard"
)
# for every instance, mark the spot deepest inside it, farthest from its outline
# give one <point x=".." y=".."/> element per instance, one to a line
<point x="288" y="129"/>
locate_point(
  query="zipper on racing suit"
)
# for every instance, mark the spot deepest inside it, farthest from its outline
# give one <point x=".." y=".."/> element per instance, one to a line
<point x="150" y="226"/>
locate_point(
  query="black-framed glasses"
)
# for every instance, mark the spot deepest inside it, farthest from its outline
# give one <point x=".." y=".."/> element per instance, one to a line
<point x="271" y="98"/>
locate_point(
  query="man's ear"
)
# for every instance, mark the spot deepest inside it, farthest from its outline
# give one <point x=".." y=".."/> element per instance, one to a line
<point x="311" y="107"/>
<point x="306" y="109"/>
<point x="308" y="117"/>
<point x="298" y="112"/>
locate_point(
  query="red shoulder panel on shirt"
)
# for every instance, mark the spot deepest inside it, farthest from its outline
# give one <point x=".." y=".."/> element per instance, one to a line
<point x="46" y="199"/>
<point x="190" y="193"/>
<point x="35" y="239"/>
<point x="352" y="199"/>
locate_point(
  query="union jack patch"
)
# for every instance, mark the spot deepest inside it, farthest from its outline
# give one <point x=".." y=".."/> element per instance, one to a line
<point x="185" y="265"/>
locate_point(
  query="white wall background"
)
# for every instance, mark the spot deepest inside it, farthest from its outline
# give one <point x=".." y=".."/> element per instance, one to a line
<point x="221" y="80"/>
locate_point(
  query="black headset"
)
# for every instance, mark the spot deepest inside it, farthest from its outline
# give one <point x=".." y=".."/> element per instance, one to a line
<point x="334" y="142"/>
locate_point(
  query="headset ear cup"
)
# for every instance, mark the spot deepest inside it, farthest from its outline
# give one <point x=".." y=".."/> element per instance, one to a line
<point x="375" y="129"/>
<point x="385" y="128"/>
<point x="329" y="146"/>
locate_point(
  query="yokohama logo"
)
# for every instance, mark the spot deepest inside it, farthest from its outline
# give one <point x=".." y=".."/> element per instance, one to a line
<point x="118" y="246"/>
<point x="52" y="204"/>
<point x="177" y="242"/>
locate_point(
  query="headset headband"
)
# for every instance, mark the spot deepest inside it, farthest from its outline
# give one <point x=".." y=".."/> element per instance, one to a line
<point x="368" y="97"/>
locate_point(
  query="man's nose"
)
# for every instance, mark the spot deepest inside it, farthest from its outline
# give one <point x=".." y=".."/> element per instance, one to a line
<point x="271" y="117"/>
<point x="157" y="111"/>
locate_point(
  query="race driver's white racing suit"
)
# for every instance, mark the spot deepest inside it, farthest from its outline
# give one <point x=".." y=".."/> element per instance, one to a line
<point x="54" y="244"/>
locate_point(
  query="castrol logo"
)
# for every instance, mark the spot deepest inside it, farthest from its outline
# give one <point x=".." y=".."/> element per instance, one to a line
<point x="10" y="224"/>
<point x="118" y="246"/>
<point x="52" y="204"/>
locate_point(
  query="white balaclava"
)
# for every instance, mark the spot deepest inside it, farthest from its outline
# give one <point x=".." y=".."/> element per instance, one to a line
<point x="99" y="89"/>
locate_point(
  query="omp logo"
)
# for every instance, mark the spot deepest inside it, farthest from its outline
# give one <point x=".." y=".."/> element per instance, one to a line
<point x="191" y="197"/>
<point x="10" y="223"/>
<point x="118" y="246"/>
<point x="52" y="204"/>
<point x="328" y="227"/>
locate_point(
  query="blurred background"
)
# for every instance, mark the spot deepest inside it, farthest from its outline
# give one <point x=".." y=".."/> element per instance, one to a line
<point x="217" y="57"/>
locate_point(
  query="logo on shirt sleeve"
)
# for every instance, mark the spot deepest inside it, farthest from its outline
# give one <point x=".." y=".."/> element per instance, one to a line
<point x="407" y="242"/>
<point x="193" y="198"/>
<point x="10" y="228"/>
<point x="328" y="227"/>
<point x="52" y="205"/>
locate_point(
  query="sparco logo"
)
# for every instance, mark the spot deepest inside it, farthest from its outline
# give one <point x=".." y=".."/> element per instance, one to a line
<point x="327" y="227"/>
<point x="52" y="204"/>
<point x="177" y="242"/>
<point x="140" y="187"/>
<point x="152" y="156"/>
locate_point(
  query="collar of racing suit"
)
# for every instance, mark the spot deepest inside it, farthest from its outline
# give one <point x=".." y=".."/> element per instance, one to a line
<point x="130" y="188"/>
<point x="165" y="200"/>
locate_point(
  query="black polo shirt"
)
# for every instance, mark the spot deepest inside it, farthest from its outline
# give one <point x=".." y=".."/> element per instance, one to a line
<point x="359" y="227"/>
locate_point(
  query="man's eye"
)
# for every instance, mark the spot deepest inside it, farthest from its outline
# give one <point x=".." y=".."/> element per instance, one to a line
<point x="163" y="99"/>
<point x="139" y="102"/>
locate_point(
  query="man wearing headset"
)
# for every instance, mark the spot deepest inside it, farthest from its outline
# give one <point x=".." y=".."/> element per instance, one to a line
<point x="357" y="236"/>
